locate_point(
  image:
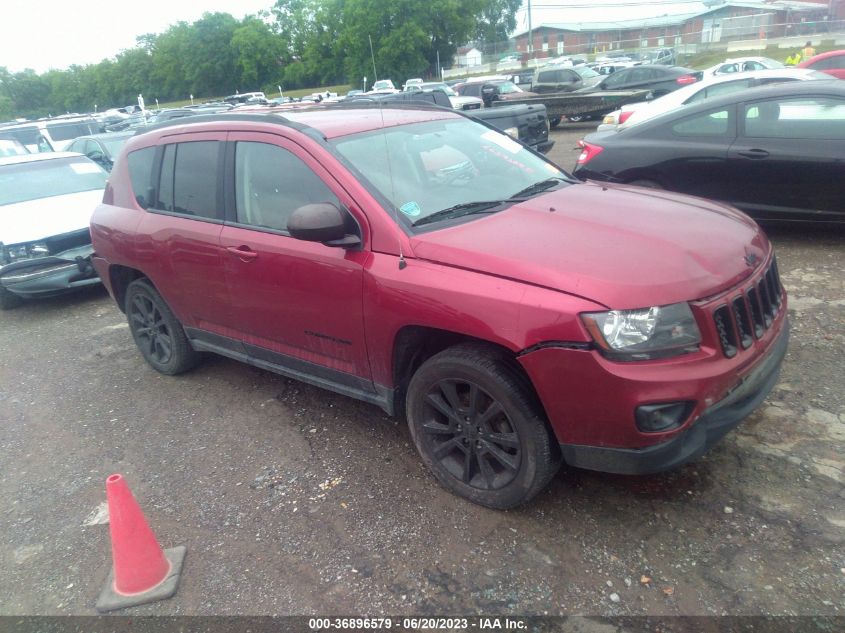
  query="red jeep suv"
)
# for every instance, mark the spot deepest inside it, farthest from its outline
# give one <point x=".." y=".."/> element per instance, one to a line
<point x="421" y="261"/>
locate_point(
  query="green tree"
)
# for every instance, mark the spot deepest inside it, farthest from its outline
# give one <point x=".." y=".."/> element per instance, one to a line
<point x="496" y="20"/>
<point x="259" y="54"/>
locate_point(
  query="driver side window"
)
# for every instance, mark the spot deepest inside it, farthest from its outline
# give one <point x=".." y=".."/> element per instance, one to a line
<point x="271" y="183"/>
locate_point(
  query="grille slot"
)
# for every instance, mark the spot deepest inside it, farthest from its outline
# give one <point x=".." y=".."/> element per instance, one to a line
<point x="743" y="322"/>
<point x="726" y="331"/>
<point x="756" y="312"/>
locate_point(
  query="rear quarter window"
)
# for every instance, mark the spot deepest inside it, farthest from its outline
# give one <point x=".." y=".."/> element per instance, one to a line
<point x="140" y="164"/>
<point x="715" y="123"/>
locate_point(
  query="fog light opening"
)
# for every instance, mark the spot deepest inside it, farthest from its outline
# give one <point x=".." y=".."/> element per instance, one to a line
<point x="657" y="418"/>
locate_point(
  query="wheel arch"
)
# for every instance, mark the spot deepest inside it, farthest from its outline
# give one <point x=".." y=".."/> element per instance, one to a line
<point x="119" y="278"/>
<point x="414" y="344"/>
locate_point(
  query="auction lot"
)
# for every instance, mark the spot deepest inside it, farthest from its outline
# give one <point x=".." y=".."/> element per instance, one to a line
<point x="294" y="500"/>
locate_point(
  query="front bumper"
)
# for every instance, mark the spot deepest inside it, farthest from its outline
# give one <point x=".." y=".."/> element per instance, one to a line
<point x="689" y="445"/>
<point x="543" y="147"/>
<point x="52" y="275"/>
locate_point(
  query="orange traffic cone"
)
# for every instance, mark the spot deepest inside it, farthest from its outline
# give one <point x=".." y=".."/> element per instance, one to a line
<point x="141" y="571"/>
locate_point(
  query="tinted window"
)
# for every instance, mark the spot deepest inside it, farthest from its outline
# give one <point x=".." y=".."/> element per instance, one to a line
<point x="140" y="165"/>
<point x="798" y="118"/>
<point x="617" y="79"/>
<point x="707" y="124"/>
<point x="830" y="63"/>
<point x="547" y="76"/>
<point x="65" y="131"/>
<point x="270" y="183"/>
<point x="27" y="135"/>
<point x="189" y="179"/>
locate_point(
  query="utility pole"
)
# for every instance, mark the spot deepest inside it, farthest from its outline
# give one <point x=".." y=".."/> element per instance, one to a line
<point x="375" y="74"/>
<point x="530" y="31"/>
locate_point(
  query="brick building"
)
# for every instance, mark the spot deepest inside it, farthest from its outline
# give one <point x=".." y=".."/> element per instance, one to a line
<point x="573" y="30"/>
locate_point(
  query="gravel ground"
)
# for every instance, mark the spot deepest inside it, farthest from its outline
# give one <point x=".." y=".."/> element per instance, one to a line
<point x="293" y="500"/>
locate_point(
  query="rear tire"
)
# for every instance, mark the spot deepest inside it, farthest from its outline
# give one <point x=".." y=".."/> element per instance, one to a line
<point x="158" y="334"/>
<point x="9" y="300"/>
<point x="479" y="428"/>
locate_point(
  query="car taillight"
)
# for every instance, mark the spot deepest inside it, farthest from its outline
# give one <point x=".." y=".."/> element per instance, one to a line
<point x="589" y="152"/>
<point x="625" y="116"/>
<point x="686" y="79"/>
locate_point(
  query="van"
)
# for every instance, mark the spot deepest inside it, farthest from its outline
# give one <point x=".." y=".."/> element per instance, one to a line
<point x="50" y="135"/>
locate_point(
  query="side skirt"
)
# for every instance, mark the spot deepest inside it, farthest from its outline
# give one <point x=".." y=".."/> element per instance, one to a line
<point x="304" y="371"/>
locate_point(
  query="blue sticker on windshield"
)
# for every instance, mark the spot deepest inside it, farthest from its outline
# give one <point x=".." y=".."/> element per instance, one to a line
<point x="411" y="209"/>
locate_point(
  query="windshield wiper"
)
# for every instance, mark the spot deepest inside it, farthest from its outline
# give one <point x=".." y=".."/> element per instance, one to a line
<point x="539" y="187"/>
<point x="460" y="210"/>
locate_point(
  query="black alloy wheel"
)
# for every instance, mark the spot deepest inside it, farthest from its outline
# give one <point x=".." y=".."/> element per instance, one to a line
<point x="157" y="333"/>
<point x="471" y="436"/>
<point x="479" y="427"/>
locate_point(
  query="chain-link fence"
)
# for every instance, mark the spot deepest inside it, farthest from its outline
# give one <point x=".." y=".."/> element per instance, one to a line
<point x="748" y="32"/>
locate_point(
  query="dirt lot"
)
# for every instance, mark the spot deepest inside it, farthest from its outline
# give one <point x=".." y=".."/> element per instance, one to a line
<point x="292" y="500"/>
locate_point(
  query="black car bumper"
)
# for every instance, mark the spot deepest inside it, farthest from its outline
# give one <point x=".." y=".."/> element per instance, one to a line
<point x="52" y="275"/>
<point x="543" y="147"/>
<point x="708" y="430"/>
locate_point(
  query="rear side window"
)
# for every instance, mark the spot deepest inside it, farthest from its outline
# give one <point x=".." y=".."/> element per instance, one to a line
<point x="140" y="165"/>
<point x="798" y="118"/>
<point x="188" y="183"/>
<point x="706" y="124"/>
<point x="65" y="131"/>
<point x="547" y="76"/>
<point x="831" y="63"/>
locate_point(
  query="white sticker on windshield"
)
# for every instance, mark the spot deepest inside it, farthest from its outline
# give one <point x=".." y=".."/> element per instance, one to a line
<point x="85" y="168"/>
<point x="503" y="141"/>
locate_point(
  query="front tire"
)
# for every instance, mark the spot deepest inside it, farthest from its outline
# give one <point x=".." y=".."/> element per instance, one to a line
<point x="157" y="332"/>
<point x="554" y="122"/>
<point x="479" y="428"/>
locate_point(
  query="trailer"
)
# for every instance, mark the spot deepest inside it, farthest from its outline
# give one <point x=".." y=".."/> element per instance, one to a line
<point x="578" y="106"/>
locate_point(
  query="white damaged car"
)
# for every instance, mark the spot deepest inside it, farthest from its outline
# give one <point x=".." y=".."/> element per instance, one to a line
<point x="46" y="202"/>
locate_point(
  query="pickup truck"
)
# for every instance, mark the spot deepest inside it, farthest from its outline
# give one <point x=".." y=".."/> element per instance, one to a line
<point x="526" y="122"/>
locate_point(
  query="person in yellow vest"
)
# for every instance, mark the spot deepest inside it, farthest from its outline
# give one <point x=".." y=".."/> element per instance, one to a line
<point x="808" y="51"/>
<point x="792" y="60"/>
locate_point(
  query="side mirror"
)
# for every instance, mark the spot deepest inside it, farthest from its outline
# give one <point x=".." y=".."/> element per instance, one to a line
<point x="321" y="222"/>
<point x="97" y="156"/>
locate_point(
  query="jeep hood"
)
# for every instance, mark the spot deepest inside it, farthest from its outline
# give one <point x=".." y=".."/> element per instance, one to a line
<point x="624" y="247"/>
<point x="38" y="219"/>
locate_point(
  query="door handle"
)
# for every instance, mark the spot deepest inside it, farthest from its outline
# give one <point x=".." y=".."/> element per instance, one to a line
<point x="755" y="153"/>
<point x="245" y="253"/>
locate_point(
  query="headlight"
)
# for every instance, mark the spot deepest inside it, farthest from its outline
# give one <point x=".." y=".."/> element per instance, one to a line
<point x="645" y="333"/>
<point x="513" y="132"/>
<point x="17" y="252"/>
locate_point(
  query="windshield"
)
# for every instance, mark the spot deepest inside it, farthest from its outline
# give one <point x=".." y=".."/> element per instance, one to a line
<point x="420" y="169"/>
<point x="382" y="84"/>
<point x="46" y="178"/>
<point x="437" y="86"/>
<point x="586" y="73"/>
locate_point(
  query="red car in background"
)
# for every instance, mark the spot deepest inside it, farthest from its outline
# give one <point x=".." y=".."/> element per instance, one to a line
<point x="421" y="261"/>
<point x="832" y="63"/>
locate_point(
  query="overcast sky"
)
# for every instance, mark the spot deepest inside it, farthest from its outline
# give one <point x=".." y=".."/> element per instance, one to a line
<point x="44" y="34"/>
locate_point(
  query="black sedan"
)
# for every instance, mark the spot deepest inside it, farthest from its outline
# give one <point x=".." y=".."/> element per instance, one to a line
<point x="777" y="152"/>
<point x="659" y="79"/>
